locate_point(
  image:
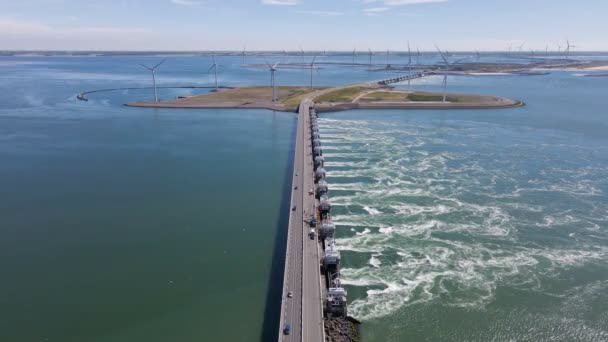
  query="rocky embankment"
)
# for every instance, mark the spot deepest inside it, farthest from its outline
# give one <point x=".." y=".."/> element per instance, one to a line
<point x="338" y="329"/>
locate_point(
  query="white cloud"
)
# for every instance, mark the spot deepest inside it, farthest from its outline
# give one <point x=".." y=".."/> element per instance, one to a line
<point x="280" y="2"/>
<point x="403" y="2"/>
<point x="374" y="11"/>
<point x="15" y="26"/>
<point x="320" y="13"/>
<point x="184" y="2"/>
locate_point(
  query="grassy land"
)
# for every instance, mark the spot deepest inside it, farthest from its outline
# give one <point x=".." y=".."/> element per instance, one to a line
<point x="430" y="98"/>
<point x="395" y="96"/>
<point x="289" y="96"/>
<point x="341" y="95"/>
<point x="294" y="96"/>
<point x="385" y="96"/>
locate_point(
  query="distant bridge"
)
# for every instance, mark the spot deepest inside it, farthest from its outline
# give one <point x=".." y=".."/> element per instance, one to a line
<point x="413" y="76"/>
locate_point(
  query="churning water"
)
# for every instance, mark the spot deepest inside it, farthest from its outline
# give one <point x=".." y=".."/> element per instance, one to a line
<point x="475" y="225"/>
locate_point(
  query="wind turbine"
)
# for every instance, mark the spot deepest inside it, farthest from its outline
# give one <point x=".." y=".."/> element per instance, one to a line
<point x="417" y="56"/>
<point x="568" y="46"/>
<point x="521" y="47"/>
<point x="272" y="69"/>
<point x="312" y="67"/>
<point x="409" y="64"/>
<point x="244" y="53"/>
<point x="354" y="54"/>
<point x="388" y="53"/>
<point x="445" y="76"/>
<point x="153" y="70"/>
<point x="371" y="54"/>
<point x="214" y="67"/>
<point x="303" y="53"/>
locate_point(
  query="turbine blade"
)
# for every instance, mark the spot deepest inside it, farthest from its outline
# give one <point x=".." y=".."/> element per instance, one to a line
<point x="409" y="52"/>
<point x="441" y="54"/>
<point x="159" y="63"/>
<point x="147" y="67"/>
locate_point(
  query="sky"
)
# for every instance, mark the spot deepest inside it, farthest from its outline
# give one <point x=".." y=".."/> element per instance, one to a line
<point x="213" y="25"/>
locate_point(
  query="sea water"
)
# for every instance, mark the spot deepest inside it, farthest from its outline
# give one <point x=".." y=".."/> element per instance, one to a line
<point x="123" y="224"/>
<point x="476" y="225"/>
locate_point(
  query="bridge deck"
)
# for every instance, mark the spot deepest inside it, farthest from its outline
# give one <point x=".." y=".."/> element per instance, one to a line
<point x="302" y="275"/>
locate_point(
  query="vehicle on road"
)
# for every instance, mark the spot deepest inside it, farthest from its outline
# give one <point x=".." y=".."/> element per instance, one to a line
<point x="289" y="294"/>
<point x="295" y="187"/>
<point x="312" y="222"/>
<point x="287" y="329"/>
<point x="311" y="234"/>
<point x="293" y="208"/>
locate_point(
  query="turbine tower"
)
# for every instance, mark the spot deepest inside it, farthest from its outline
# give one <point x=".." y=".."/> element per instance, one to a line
<point x="153" y="71"/>
<point x="445" y="75"/>
<point x="354" y="54"/>
<point x="312" y="67"/>
<point x="568" y="46"/>
<point x="272" y="69"/>
<point x="409" y="64"/>
<point x="371" y="54"/>
<point x="244" y="53"/>
<point x="214" y="67"/>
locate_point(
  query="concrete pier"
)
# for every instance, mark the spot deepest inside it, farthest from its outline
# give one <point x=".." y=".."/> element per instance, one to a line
<point x="302" y="311"/>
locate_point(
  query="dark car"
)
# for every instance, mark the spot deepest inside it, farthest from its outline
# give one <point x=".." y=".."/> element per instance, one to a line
<point x="287" y="329"/>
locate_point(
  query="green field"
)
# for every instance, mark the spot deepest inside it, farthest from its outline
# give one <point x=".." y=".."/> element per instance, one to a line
<point x="341" y="95"/>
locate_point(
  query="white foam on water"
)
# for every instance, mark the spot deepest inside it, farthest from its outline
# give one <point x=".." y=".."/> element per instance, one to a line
<point x="364" y="232"/>
<point x="372" y="211"/>
<point x="456" y="220"/>
<point x="373" y="261"/>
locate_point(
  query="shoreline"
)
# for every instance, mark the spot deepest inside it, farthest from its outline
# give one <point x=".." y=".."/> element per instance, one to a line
<point x="388" y="99"/>
<point x="336" y="107"/>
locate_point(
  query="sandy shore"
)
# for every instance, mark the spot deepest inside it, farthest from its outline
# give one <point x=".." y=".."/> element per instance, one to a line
<point x="598" y="68"/>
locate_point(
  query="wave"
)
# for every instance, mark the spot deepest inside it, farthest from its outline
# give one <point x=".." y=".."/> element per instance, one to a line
<point x="439" y="217"/>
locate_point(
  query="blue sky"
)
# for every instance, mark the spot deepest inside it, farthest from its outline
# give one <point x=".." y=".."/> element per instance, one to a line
<point x="311" y="24"/>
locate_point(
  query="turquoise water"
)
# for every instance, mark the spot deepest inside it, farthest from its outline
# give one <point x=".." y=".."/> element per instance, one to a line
<point x="476" y="225"/>
<point x="127" y="224"/>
